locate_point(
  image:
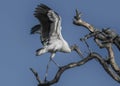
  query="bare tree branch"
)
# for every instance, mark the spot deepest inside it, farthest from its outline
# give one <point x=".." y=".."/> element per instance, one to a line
<point x="80" y="63"/>
<point x="78" y="21"/>
<point x="96" y="32"/>
<point x="117" y="42"/>
<point x="36" y="75"/>
<point x="104" y="39"/>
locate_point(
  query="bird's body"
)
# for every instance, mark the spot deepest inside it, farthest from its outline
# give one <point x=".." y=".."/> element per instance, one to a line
<point x="50" y="33"/>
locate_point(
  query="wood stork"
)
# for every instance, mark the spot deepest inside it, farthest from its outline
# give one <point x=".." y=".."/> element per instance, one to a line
<point x="50" y="33"/>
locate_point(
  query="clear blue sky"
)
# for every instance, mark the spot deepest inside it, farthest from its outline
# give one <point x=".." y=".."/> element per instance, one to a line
<point x="17" y="46"/>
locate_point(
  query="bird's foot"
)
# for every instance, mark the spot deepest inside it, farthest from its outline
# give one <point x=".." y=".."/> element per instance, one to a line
<point x="45" y="80"/>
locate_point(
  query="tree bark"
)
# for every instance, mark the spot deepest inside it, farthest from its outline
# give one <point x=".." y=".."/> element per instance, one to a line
<point x="91" y="56"/>
<point x="100" y="39"/>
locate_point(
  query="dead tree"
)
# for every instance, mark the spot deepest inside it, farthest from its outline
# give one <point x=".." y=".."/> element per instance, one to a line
<point x="104" y="38"/>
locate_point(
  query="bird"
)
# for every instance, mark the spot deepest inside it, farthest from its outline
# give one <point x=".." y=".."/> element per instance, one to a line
<point x="49" y="29"/>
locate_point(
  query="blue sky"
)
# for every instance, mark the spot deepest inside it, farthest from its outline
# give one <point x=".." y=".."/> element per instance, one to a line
<point x="18" y="47"/>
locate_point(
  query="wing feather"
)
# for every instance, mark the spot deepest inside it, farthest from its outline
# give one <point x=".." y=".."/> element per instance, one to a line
<point x="36" y="29"/>
<point x="50" y="22"/>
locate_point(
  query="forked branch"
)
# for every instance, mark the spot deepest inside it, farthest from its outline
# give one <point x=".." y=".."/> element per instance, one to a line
<point x="80" y="63"/>
<point x="78" y="21"/>
<point x="104" y="38"/>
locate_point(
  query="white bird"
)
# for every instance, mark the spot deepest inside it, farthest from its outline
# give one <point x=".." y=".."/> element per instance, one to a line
<point x="50" y="33"/>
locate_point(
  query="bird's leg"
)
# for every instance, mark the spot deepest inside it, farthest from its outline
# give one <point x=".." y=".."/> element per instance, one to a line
<point x="51" y="59"/>
<point x="46" y="74"/>
<point x="75" y="48"/>
<point x="52" y="55"/>
<point x="55" y="63"/>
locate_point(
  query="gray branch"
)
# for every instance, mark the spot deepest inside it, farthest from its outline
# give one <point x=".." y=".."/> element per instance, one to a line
<point x="80" y="63"/>
<point x="105" y="34"/>
<point x="103" y="39"/>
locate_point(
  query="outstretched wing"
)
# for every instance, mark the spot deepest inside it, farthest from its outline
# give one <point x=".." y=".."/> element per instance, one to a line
<point x="50" y="22"/>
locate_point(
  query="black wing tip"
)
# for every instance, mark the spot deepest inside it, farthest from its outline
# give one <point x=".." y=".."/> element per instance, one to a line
<point x="32" y="32"/>
<point x="43" y="6"/>
<point x="41" y="10"/>
<point x="34" y="29"/>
